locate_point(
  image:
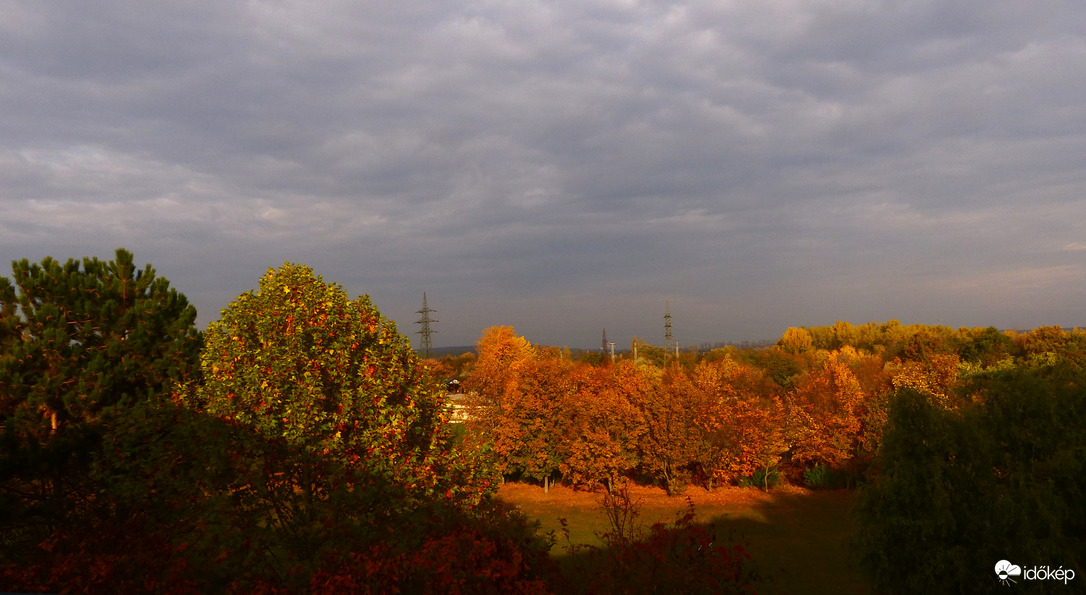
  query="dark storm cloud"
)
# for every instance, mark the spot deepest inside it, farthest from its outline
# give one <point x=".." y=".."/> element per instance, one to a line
<point x="564" y="166"/>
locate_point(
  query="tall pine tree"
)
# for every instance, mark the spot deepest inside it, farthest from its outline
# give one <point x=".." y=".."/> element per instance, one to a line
<point x="77" y="339"/>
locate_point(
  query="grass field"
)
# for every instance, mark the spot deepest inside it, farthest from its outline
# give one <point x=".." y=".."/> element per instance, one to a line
<point x="797" y="537"/>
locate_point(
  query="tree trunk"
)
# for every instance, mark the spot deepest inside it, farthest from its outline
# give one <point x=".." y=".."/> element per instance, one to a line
<point x="307" y="484"/>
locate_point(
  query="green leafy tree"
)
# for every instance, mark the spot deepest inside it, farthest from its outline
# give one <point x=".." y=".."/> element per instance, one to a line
<point x="985" y="346"/>
<point x="297" y="360"/>
<point x="360" y="451"/>
<point x="782" y="367"/>
<point x="957" y="490"/>
<point x="650" y="353"/>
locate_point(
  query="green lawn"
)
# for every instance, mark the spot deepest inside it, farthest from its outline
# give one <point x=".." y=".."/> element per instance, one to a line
<point x="796" y="537"/>
<point x="800" y="542"/>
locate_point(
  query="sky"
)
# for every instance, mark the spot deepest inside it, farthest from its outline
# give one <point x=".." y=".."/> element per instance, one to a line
<point x="565" y="166"/>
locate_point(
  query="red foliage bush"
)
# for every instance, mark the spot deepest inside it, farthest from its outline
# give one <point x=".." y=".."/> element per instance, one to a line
<point x="677" y="557"/>
<point x="463" y="562"/>
<point x="680" y="558"/>
<point x="110" y="558"/>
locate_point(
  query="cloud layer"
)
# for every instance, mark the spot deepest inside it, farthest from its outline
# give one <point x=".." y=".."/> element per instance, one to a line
<point x="565" y="166"/>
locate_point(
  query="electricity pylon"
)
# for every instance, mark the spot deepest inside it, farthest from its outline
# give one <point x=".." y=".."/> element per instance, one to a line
<point x="426" y="349"/>
<point x="669" y="342"/>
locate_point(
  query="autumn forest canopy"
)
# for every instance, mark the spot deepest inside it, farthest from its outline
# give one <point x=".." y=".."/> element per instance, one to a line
<point x="300" y="444"/>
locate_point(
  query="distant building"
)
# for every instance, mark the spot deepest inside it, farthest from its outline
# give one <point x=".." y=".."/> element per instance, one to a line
<point x="460" y="410"/>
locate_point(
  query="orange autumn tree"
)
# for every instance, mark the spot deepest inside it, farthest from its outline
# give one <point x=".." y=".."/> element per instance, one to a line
<point x="502" y="417"/>
<point x="824" y="413"/>
<point x="533" y="420"/>
<point x="500" y="356"/>
<point x="874" y="375"/>
<point x="668" y="440"/>
<point x="739" y="421"/>
<point x="602" y="429"/>
<point x="704" y="390"/>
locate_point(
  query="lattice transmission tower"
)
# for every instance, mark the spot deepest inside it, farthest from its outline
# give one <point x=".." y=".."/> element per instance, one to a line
<point x="426" y="348"/>
<point x="669" y="341"/>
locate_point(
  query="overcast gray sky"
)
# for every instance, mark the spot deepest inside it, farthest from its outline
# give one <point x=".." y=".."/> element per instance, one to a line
<point x="565" y="166"/>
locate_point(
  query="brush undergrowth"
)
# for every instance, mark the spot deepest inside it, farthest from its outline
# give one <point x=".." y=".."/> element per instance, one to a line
<point x="677" y="557"/>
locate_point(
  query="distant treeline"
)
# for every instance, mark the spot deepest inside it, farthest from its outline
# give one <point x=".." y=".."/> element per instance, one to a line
<point x="817" y="396"/>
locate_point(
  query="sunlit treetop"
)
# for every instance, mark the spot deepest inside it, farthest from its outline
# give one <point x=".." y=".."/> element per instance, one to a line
<point x="298" y="359"/>
<point x="81" y="336"/>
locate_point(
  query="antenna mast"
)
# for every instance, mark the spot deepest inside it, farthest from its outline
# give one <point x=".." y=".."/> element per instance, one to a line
<point x="426" y="349"/>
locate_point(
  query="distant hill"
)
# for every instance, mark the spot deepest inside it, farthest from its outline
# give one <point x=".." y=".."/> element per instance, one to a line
<point x="578" y="351"/>
<point x="462" y="349"/>
<point x="454" y="350"/>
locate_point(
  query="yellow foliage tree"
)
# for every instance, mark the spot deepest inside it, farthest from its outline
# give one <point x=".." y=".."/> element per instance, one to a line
<point x="795" y="340"/>
<point x="501" y="356"/>
<point x="824" y="413"/>
<point x="937" y="377"/>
